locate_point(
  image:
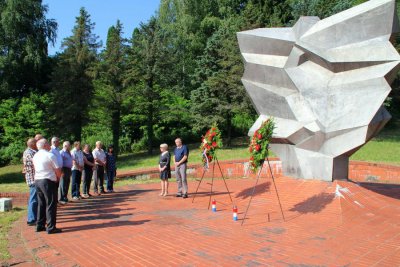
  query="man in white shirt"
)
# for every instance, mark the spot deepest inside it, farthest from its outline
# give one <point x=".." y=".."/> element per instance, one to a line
<point x="100" y="161"/>
<point x="47" y="174"/>
<point x="77" y="168"/>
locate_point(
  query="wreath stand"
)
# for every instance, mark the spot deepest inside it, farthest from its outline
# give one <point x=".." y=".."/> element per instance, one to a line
<point x="212" y="182"/>
<point x="254" y="189"/>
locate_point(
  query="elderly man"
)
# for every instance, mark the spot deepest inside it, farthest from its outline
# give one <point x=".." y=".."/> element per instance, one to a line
<point x="29" y="172"/>
<point x="55" y="143"/>
<point x="77" y="168"/>
<point x="66" y="173"/>
<point x="100" y="161"/>
<point x="47" y="173"/>
<point x="181" y="154"/>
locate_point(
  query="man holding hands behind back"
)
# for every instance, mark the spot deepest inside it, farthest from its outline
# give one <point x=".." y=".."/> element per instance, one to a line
<point x="47" y="174"/>
<point x="181" y="154"/>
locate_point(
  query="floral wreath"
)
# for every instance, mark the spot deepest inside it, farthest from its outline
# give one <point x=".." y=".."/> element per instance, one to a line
<point x="210" y="142"/>
<point x="259" y="144"/>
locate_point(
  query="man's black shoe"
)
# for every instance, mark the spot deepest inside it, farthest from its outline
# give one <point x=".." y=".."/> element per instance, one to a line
<point x="40" y="228"/>
<point x="54" y="231"/>
<point x="31" y="223"/>
<point x="178" y="195"/>
<point x="185" y="196"/>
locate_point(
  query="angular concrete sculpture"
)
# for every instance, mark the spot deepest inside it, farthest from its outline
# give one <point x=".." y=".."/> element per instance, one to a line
<point x="324" y="82"/>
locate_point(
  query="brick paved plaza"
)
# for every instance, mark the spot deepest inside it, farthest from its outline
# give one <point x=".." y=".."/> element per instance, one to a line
<point x="327" y="224"/>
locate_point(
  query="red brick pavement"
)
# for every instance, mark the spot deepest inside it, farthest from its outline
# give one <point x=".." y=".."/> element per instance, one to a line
<point x="327" y="224"/>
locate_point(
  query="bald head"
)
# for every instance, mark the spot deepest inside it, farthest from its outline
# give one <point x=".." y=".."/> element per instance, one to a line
<point x="42" y="144"/>
<point x="31" y="143"/>
<point x="38" y="137"/>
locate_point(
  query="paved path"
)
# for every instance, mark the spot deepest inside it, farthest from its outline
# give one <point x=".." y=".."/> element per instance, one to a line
<point x="327" y="224"/>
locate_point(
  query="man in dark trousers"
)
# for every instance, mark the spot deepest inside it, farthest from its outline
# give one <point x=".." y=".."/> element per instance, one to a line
<point x="47" y="174"/>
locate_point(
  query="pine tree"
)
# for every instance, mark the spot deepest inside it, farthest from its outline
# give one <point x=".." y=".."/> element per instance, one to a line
<point x="25" y="33"/>
<point x="110" y="89"/>
<point x="72" y="81"/>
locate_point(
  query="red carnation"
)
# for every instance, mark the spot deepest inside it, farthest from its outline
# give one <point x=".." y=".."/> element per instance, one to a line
<point x="251" y="158"/>
<point x="251" y="149"/>
<point x="213" y="128"/>
<point x="214" y="144"/>
<point x="259" y="136"/>
<point x="258" y="147"/>
<point x="213" y="134"/>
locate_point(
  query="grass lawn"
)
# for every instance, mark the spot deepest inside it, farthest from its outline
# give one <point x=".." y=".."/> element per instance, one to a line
<point x="6" y="220"/>
<point x="385" y="149"/>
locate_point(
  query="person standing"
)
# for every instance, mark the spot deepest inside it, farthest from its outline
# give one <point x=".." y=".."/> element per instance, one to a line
<point x="29" y="172"/>
<point x="47" y="172"/>
<point x="111" y="168"/>
<point x="164" y="167"/>
<point x="66" y="173"/>
<point x="55" y="142"/>
<point x="100" y="161"/>
<point x="181" y="155"/>
<point x="88" y="170"/>
<point x="77" y="168"/>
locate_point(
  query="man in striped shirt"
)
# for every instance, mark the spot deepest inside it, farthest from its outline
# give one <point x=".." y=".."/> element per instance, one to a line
<point x="29" y="172"/>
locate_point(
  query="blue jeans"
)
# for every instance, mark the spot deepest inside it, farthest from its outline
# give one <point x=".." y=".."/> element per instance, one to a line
<point x="32" y="204"/>
<point x="76" y="183"/>
<point x="110" y="180"/>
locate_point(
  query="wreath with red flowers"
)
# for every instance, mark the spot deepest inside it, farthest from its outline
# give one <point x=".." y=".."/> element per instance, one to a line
<point x="210" y="142"/>
<point x="259" y="144"/>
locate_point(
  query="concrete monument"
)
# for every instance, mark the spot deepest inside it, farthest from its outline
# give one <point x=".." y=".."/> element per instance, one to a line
<point x="324" y="82"/>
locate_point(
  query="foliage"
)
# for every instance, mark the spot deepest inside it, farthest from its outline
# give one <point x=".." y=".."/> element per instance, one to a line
<point x="259" y="145"/>
<point x="20" y="119"/>
<point x="210" y="142"/>
<point x="25" y="33"/>
<point x="72" y="85"/>
<point x="110" y="89"/>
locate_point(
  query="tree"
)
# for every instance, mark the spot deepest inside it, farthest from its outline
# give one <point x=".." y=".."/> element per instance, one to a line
<point x="72" y="79"/>
<point x="24" y="36"/>
<point x="220" y="97"/>
<point x="110" y="89"/>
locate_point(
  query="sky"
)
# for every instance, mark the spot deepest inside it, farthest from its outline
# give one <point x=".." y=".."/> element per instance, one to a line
<point x="102" y="12"/>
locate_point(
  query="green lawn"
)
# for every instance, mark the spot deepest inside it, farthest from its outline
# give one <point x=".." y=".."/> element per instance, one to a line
<point x="385" y="148"/>
<point x="6" y="221"/>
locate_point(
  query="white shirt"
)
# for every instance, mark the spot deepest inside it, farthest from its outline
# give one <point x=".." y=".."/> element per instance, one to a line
<point x="77" y="156"/>
<point x="45" y="165"/>
<point x="56" y="153"/>
<point x="99" y="154"/>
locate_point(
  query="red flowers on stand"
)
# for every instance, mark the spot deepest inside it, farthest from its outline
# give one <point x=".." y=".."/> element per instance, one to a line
<point x="209" y="143"/>
<point x="259" y="144"/>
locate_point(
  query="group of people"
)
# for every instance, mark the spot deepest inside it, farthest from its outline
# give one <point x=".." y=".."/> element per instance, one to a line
<point x="49" y="172"/>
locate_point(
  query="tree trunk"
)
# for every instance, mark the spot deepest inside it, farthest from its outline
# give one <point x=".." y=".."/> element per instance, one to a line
<point x="229" y="129"/>
<point x="150" y="132"/>
<point x="115" y="125"/>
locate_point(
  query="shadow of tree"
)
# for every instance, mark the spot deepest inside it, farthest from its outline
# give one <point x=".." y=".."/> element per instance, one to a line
<point x="260" y="188"/>
<point x="389" y="190"/>
<point x="314" y="204"/>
